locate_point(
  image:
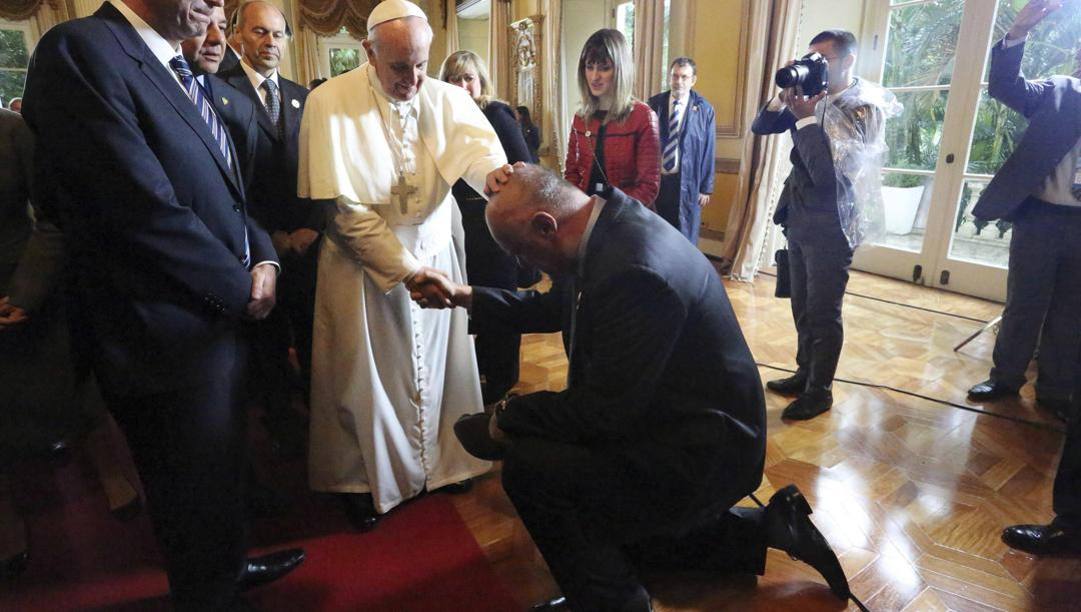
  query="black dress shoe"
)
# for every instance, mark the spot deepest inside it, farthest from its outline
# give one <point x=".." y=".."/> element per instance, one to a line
<point x="1062" y="408"/>
<point x="989" y="390"/>
<point x="793" y="385"/>
<point x="1042" y="539"/>
<point x="802" y="540"/>
<point x="457" y="488"/>
<point x="472" y="431"/>
<point x="360" y="510"/>
<point x="13" y="566"/>
<point x="808" y="405"/>
<point x="559" y="603"/>
<point x="268" y="568"/>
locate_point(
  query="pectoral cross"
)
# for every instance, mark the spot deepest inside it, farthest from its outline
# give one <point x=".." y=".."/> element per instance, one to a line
<point x="402" y="191"/>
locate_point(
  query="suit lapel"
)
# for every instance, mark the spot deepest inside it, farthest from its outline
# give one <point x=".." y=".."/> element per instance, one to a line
<point x="689" y="114"/>
<point x="290" y="113"/>
<point x="239" y="80"/>
<point x="167" y="85"/>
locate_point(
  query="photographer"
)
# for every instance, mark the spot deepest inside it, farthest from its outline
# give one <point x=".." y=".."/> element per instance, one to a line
<point x="830" y="203"/>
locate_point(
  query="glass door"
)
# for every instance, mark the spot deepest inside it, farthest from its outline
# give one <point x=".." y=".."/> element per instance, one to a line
<point x="952" y="137"/>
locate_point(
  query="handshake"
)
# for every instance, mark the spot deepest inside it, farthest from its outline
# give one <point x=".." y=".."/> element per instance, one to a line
<point x="430" y="288"/>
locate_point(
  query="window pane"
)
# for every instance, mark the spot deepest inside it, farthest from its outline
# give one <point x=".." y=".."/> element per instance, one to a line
<point x="1052" y="47"/>
<point x="983" y="242"/>
<point x="13" y="53"/>
<point x="996" y="132"/>
<point x="913" y="136"/>
<point x="625" y="21"/>
<point x="922" y="44"/>
<point x="905" y="200"/>
<point x="343" y="60"/>
<point x="11" y="84"/>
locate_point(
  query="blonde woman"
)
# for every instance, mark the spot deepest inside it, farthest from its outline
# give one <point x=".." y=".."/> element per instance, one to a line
<point x="486" y="264"/>
<point x="614" y="140"/>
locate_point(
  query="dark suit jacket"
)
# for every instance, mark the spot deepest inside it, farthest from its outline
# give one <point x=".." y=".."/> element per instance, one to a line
<point x="697" y="141"/>
<point x="660" y="373"/>
<point x="274" y="198"/>
<point x="154" y="217"/>
<point x="1053" y="108"/>
<point x="229" y="60"/>
<point x="241" y="118"/>
<point x="808" y="202"/>
<point x="16" y="171"/>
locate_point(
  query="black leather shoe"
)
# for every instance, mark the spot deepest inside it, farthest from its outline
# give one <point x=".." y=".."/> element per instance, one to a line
<point x="1042" y="539"/>
<point x="989" y="390"/>
<point x="268" y="568"/>
<point x="457" y="488"/>
<point x="559" y="603"/>
<point x="13" y="566"/>
<point x="360" y="510"/>
<point x="802" y="540"/>
<point x="793" y="385"/>
<point x="807" y="406"/>
<point x="472" y="431"/>
<point x="1062" y="408"/>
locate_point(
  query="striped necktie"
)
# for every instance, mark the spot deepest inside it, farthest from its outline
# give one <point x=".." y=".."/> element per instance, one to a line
<point x="202" y="104"/>
<point x="671" y="145"/>
<point x="217" y="129"/>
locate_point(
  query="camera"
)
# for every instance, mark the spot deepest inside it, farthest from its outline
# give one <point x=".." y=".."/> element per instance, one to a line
<point x="809" y="73"/>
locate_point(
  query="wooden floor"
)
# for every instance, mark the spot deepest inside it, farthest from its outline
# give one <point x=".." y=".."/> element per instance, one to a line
<point x="911" y="493"/>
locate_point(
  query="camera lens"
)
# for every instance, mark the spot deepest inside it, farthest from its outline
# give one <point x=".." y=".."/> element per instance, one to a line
<point x="790" y="76"/>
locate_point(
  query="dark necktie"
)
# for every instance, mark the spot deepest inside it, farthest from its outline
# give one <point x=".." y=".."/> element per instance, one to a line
<point x="671" y="146"/>
<point x="202" y="104"/>
<point x="273" y="103"/>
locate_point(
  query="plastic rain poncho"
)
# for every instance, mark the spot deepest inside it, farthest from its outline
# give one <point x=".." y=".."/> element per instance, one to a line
<point x="855" y="121"/>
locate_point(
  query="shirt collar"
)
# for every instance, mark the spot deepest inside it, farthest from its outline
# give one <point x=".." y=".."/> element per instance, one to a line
<point x="256" y="78"/>
<point x="162" y="50"/>
<point x="598" y="206"/>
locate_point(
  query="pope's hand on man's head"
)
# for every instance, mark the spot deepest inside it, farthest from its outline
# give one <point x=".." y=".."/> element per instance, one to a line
<point x="499" y="177"/>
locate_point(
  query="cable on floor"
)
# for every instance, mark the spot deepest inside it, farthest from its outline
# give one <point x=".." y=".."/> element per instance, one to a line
<point x="904" y="305"/>
<point x="935" y="400"/>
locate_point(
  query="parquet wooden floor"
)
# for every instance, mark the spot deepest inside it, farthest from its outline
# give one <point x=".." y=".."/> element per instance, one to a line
<point x="912" y="494"/>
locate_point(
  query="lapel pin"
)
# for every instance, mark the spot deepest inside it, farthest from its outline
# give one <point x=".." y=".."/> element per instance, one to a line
<point x="588" y="133"/>
<point x="225" y="101"/>
<point x="296" y="104"/>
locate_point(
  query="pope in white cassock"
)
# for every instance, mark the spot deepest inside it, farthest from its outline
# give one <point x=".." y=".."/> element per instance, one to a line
<point x="389" y="379"/>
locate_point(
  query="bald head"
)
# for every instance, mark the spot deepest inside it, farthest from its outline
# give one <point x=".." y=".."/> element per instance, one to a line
<point x="262" y="32"/>
<point x="399" y="49"/>
<point x="539" y="217"/>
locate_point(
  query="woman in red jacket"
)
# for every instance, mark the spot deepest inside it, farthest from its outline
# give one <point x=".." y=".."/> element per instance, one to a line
<point x="614" y="138"/>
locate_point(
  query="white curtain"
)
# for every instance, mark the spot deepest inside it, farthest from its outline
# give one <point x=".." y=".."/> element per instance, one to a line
<point x="499" y="48"/>
<point x="307" y="49"/>
<point x="774" y="30"/>
<point x="450" y="15"/>
<point x="648" y="47"/>
<point x="554" y="118"/>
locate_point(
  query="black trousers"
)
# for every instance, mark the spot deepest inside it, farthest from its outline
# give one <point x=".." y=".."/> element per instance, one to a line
<point x="1043" y="294"/>
<point x="818" y="270"/>
<point x="188" y="446"/>
<point x="1067" y="492"/>
<point x="596" y="525"/>
<point x="289" y="325"/>
<point x="488" y="265"/>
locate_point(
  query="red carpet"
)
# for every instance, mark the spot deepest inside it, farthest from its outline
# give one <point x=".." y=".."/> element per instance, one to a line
<point x="420" y="558"/>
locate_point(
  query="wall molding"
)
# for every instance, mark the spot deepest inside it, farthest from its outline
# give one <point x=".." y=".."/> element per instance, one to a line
<point x="734" y="127"/>
<point x="726" y="165"/>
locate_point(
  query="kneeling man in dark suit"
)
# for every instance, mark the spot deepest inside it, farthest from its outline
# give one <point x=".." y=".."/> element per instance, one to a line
<point x="662" y="427"/>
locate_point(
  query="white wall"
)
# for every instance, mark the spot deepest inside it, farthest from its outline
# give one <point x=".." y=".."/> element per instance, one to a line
<point x="819" y="15"/>
<point x="473" y="36"/>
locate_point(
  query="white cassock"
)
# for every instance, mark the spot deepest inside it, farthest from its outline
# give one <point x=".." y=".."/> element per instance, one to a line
<point x="389" y="379"/>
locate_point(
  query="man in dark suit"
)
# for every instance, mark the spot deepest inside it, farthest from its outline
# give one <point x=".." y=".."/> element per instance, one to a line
<point x="166" y="263"/>
<point x="688" y="137"/>
<point x="1038" y="189"/>
<point x="662" y="427"/>
<point x="819" y="254"/>
<point x="294" y="223"/>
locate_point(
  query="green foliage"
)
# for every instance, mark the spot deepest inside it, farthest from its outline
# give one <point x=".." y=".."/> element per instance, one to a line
<point x="13" y="53"/>
<point x="343" y="60"/>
